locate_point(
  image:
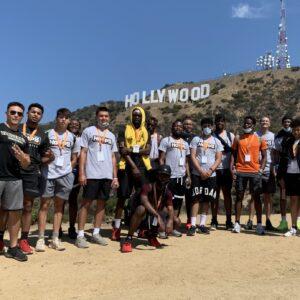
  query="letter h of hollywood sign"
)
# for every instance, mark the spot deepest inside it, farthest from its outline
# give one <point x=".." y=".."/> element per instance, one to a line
<point x="172" y="95"/>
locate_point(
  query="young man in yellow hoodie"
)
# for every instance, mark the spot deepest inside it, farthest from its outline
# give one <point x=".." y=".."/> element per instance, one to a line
<point x="134" y="165"/>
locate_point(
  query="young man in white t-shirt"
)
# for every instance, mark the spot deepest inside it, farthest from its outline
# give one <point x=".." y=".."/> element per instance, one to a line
<point x="97" y="174"/>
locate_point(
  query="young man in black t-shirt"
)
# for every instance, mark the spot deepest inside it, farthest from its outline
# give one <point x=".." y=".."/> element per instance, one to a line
<point x="13" y="157"/>
<point x="40" y="153"/>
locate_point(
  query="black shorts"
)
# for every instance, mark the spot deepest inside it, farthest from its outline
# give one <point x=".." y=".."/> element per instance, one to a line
<point x="128" y="182"/>
<point x="97" y="189"/>
<point x="268" y="184"/>
<point x="177" y="188"/>
<point x="255" y="183"/>
<point x="224" y="178"/>
<point x="204" y="190"/>
<point x="32" y="185"/>
<point x="292" y="184"/>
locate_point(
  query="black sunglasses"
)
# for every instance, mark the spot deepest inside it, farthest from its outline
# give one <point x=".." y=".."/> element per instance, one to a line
<point x="13" y="112"/>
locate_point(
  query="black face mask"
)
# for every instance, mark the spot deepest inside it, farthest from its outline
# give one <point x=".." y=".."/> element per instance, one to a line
<point x="176" y="134"/>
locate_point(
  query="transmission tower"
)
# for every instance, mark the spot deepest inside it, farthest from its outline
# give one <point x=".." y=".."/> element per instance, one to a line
<point x="282" y="57"/>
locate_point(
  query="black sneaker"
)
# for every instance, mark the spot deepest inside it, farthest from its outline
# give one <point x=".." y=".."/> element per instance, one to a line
<point x="191" y="231"/>
<point x="229" y="225"/>
<point x="249" y="225"/>
<point x="60" y="234"/>
<point x="72" y="233"/>
<point x="214" y="224"/>
<point x="203" y="229"/>
<point x="16" y="254"/>
<point x="269" y="226"/>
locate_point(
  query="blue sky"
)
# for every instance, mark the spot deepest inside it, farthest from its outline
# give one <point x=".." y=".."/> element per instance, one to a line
<point x="75" y="53"/>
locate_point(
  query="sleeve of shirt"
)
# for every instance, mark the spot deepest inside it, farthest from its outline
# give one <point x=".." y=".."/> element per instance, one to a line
<point x="188" y="152"/>
<point x="146" y="188"/>
<point x="194" y="142"/>
<point x="84" y="142"/>
<point x="219" y="146"/>
<point x="263" y="145"/>
<point x="26" y="146"/>
<point x="232" y="137"/>
<point x="163" y="145"/>
<point x="114" y="145"/>
<point x="45" y="145"/>
<point x="76" y="147"/>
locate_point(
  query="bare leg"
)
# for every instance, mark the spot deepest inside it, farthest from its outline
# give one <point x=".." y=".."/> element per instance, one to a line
<point x="3" y="219"/>
<point x="13" y="225"/>
<point x="238" y="206"/>
<point x="45" y="203"/>
<point x="294" y="209"/>
<point x="251" y="209"/>
<point x="258" y="208"/>
<point x="136" y="220"/>
<point x="26" y="215"/>
<point x="100" y="212"/>
<point x="58" y="212"/>
<point x="82" y="214"/>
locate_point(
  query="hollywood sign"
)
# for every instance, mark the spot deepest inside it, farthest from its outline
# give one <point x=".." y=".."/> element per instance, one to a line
<point x="168" y="95"/>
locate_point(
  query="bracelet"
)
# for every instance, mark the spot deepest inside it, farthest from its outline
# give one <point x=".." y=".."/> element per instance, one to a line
<point x="115" y="178"/>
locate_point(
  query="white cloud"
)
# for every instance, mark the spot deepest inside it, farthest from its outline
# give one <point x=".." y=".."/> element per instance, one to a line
<point x="245" y="11"/>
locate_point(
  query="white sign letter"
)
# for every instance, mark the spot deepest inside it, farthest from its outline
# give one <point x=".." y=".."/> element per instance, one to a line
<point x="161" y="95"/>
<point x="205" y="91"/>
<point x="184" y="95"/>
<point x="173" y="95"/>
<point x="195" y="93"/>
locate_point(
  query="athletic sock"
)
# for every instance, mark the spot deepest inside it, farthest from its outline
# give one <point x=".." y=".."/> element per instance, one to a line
<point x="283" y="218"/>
<point x="96" y="231"/>
<point x="24" y="235"/>
<point x="1" y="235"/>
<point x="41" y="234"/>
<point x="117" y="223"/>
<point x="193" y="221"/>
<point x="202" y="220"/>
<point x="55" y="235"/>
<point x="80" y="233"/>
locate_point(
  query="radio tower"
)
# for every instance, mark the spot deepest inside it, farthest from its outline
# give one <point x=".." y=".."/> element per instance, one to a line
<point x="282" y="57"/>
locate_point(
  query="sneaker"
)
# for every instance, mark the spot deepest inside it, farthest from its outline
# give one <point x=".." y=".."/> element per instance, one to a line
<point x="142" y="234"/>
<point x="269" y="226"/>
<point x="126" y="247"/>
<point x="162" y="235"/>
<point x="81" y="242"/>
<point x="176" y="233"/>
<point x="1" y="247"/>
<point x="229" y="225"/>
<point x="214" y="224"/>
<point x="291" y="232"/>
<point x="249" y="225"/>
<point x="298" y="224"/>
<point x="24" y="246"/>
<point x="16" y="254"/>
<point x="283" y="226"/>
<point x="40" y="245"/>
<point x="116" y="234"/>
<point x="260" y="229"/>
<point x="98" y="239"/>
<point x="191" y="231"/>
<point x="236" y="228"/>
<point x="56" y="244"/>
<point x="187" y="226"/>
<point x="72" y="234"/>
<point x="154" y="242"/>
<point x="203" y="229"/>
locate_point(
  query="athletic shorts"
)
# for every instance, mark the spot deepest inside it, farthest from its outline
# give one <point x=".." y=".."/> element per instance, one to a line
<point x="255" y="183"/>
<point x="177" y="188"/>
<point x="204" y="190"/>
<point x="224" y="178"/>
<point x="32" y="185"/>
<point x="268" y="184"/>
<point x="97" y="189"/>
<point x="58" y="187"/>
<point x="292" y="184"/>
<point x="11" y="195"/>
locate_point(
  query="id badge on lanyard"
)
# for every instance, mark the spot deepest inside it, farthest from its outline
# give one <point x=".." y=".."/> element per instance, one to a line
<point x="100" y="156"/>
<point x="204" y="159"/>
<point x="181" y="161"/>
<point x="60" y="161"/>
<point x="136" y="149"/>
<point x="247" y="158"/>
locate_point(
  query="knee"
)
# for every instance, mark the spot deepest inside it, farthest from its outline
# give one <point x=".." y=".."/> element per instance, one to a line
<point x="140" y="211"/>
<point x="120" y="203"/>
<point x="27" y="207"/>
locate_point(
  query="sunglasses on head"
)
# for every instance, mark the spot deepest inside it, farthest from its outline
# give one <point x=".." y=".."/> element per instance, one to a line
<point x="13" y="112"/>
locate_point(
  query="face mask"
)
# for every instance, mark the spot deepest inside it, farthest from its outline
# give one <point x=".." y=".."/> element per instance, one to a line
<point x="207" y="131"/>
<point x="103" y="125"/>
<point x="176" y="134"/>
<point x="247" y="130"/>
<point x="287" y="129"/>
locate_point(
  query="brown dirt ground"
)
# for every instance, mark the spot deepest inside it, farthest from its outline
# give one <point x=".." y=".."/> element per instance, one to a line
<point x="220" y="266"/>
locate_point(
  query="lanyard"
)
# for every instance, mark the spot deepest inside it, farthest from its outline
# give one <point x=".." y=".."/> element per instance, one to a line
<point x="101" y="138"/>
<point x="205" y="145"/>
<point x="61" y="144"/>
<point x="33" y="133"/>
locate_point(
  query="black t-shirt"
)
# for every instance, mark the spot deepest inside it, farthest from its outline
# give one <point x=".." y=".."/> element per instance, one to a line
<point x="9" y="165"/>
<point x="38" y="145"/>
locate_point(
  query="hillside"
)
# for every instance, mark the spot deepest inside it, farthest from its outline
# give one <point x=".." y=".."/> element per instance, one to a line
<point x="271" y="93"/>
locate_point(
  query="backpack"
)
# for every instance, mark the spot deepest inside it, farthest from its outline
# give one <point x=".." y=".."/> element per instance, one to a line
<point x="227" y="148"/>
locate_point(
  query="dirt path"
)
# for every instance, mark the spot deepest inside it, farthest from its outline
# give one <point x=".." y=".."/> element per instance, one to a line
<point x="222" y="265"/>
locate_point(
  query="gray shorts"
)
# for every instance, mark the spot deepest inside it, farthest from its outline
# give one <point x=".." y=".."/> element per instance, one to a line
<point x="59" y="187"/>
<point x="11" y="195"/>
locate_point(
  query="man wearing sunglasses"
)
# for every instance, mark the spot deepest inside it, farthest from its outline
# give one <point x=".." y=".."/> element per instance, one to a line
<point x="13" y="153"/>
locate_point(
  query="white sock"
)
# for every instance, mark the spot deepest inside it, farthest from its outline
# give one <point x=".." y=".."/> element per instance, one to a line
<point x="96" y="231"/>
<point x="202" y="220"/>
<point x="117" y="223"/>
<point x="80" y="233"/>
<point x="193" y="221"/>
<point x="283" y="218"/>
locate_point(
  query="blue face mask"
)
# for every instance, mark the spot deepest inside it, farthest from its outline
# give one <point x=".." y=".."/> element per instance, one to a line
<point x="247" y="130"/>
<point x="289" y="129"/>
<point x="207" y="131"/>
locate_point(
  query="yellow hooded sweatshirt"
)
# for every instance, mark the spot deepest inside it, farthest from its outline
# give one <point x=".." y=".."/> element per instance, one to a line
<point x="135" y="136"/>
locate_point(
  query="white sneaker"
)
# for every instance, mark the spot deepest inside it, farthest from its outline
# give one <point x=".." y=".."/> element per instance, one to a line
<point x="236" y="228"/>
<point x="40" y="245"/>
<point x="291" y="232"/>
<point x="57" y="245"/>
<point x="260" y="229"/>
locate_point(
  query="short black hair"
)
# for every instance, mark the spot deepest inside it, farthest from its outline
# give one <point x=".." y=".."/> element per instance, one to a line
<point x="15" y="103"/>
<point x="176" y="121"/>
<point x="152" y="119"/>
<point x="220" y="117"/>
<point x="286" y="118"/>
<point x="207" y="121"/>
<point x="63" y="111"/>
<point x="101" y="108"/>
<point x="251" y="118"/>
<point x="295" y="123"/>
<point x="37" y="105"/>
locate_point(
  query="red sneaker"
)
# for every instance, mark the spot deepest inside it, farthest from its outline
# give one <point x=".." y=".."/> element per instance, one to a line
<point x="116" y="234"/>
<point x="188" y="226"/>
<point x="24" y="246"/>
<point x="154" y="242"/>
<point x="126" y="247"/>
<point x="1" y="247"/>
<point x="143" y="234"/>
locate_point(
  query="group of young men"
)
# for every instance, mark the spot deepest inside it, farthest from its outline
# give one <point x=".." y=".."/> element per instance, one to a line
<point x="152" y="174"/>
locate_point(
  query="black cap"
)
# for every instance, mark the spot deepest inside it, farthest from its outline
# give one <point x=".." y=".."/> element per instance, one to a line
<point x="164" y="169"/>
